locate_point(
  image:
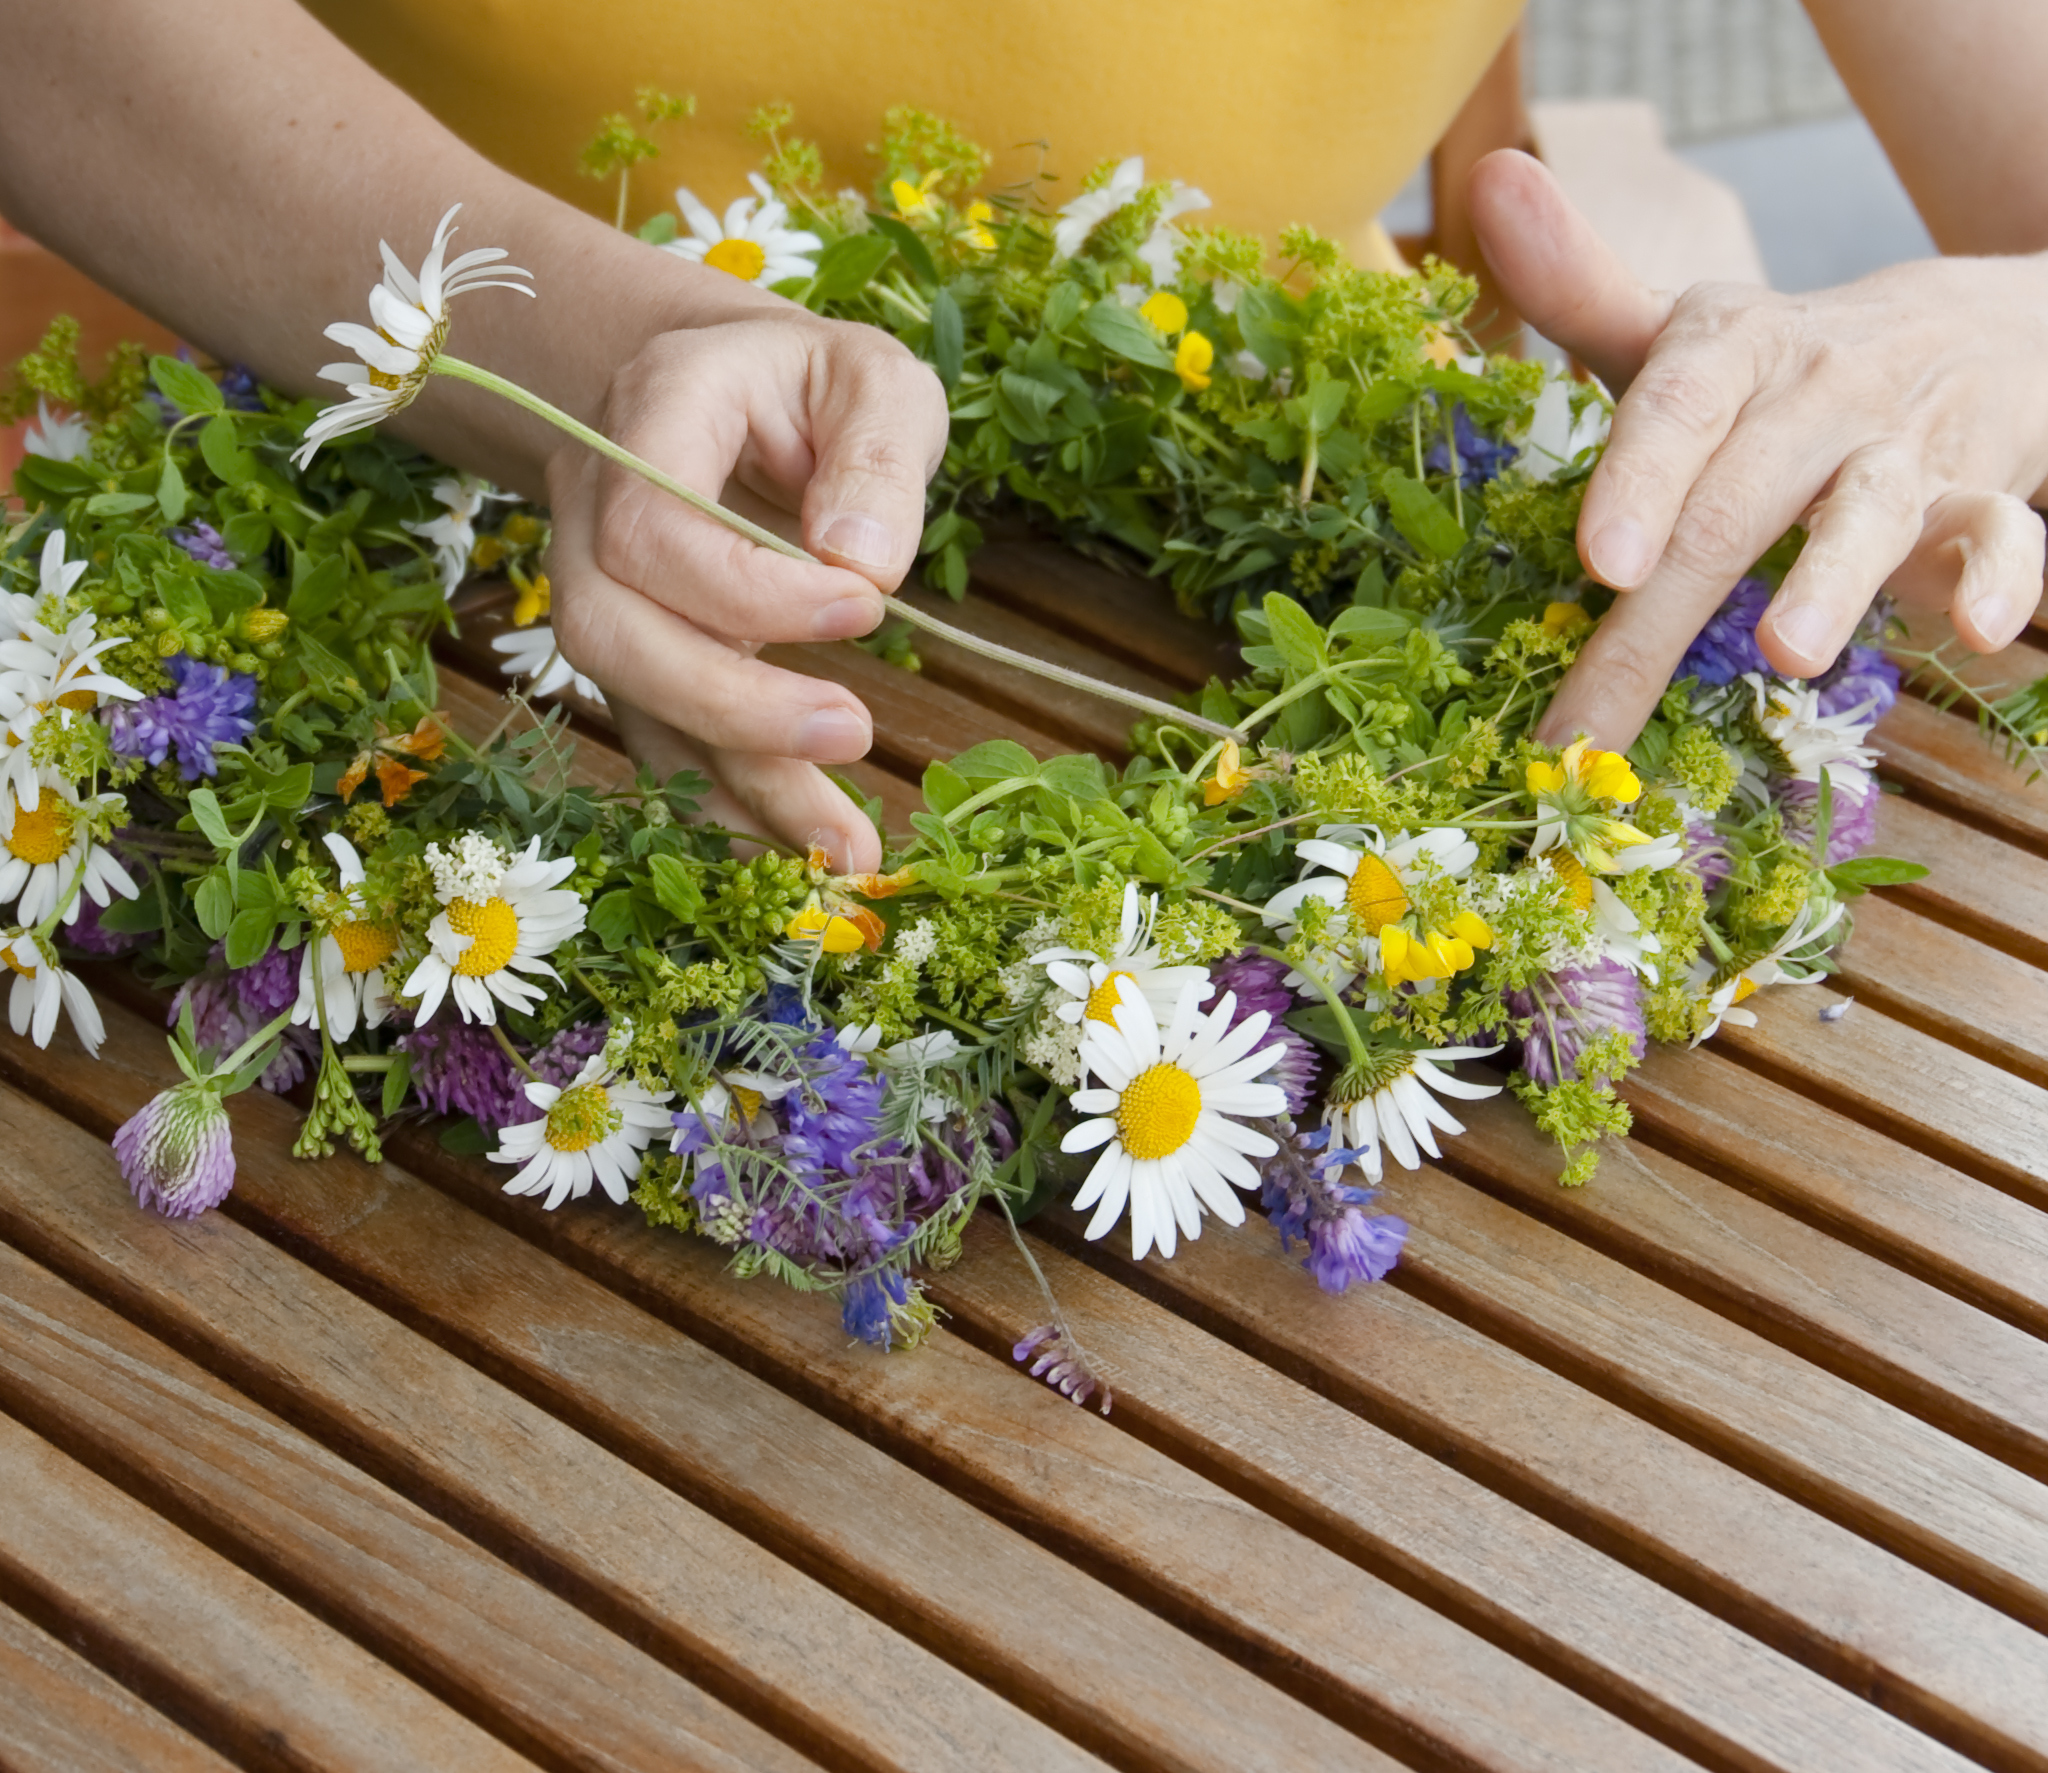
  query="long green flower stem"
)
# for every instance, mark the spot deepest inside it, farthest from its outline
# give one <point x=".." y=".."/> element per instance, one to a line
<point x="763" y="538"/>
<point x="1353" y="1040"/>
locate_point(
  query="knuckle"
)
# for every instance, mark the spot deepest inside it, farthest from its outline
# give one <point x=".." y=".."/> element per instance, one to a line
<point x="1716" y="524"/>
<point x="1683" y="396"/>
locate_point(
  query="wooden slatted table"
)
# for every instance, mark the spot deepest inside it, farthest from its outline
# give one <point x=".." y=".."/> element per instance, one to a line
<point x="1737" y="1458"/>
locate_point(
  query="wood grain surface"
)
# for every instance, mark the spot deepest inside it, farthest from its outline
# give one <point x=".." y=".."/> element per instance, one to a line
<point x="1736" y="1458"/>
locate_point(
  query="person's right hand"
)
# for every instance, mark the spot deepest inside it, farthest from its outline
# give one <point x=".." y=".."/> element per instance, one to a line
<point x="833" y="429"/>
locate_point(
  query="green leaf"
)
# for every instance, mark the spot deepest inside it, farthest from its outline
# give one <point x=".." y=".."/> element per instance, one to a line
<point x="611" y="920"/>
<point x="170" y="491"/>
<point x="677" y="888"/>
<point x="1369" y="626"/>
<point x="1865" y="872"/>
<point x="1319" y="1023"/>
<point x="318" y="589"/>
<point x="1154" y="861"/>
<point x="1127" y="333"/>
<point x="117" y="504"/>
<point x="397" y="1081"/>
<point x="658" y="230"/>
<point x="1420" y="516"/>
<point x="1270" y="321"/>
<point x="1295" y="633"/>
<point x="249" y="935"/>
<point x="247" y="536"/>
<point x="214" y="904"/>
<point x="848" y="265"/>
<point x="1063" y="304"/>
<point x="994" y="760"/>
<point x="1079" y="777"/>
<point x="943" y="789"/>
<point x="187" y="388"/>
<point x="904" y="238"/>
<point x="223" y="451"/>
<point x="949" y="337"/>
<point x="205" y="809"/>
<point x="464" y="1139"/>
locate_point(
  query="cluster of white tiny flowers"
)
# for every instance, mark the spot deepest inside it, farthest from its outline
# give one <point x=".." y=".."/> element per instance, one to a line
<point x="469" y="868"/>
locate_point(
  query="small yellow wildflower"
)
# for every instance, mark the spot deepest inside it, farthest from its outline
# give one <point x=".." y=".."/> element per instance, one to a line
<point x="1603" y="774"/>
<point x="1191" y="361"/>
<point x="1566" y="618"/>
<point x="1231" y="777"/>
<point x="1435" y="954"/>
<point x="912" y="199"/>
<point x="839" y="935"/>
<point x="536" y="598"/>
<point x="976" y="233"/>
<point x="1166" y="311"/>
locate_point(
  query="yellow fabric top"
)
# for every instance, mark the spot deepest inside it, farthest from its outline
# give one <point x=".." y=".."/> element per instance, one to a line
<point x="1281" y="110"/>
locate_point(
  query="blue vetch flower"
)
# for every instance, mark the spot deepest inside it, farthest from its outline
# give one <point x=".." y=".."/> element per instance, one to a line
<point x="1480" y="457"/>
<point x="1863" y="677"/>
<point x="870" y="1303"/>
<point x="211" y="706"/>
<point x="1305" y="1197"/>
<point x="1726" y="647"/>
<point x="206" y="545"/>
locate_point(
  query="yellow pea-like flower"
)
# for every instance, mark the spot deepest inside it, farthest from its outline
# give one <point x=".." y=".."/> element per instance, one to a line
<point x="1192" y="359"/>
<point x="1166" y="311"/>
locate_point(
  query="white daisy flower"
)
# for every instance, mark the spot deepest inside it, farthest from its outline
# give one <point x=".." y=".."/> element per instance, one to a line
<point x="1394" y="1106"/>
<point x="597" y="1129"/>
<point x="409" y="327"/>
<point x="453" y="534"/>
<point x="41" y="988"/>
<point x="350" y="952"/>
<point x="47" y="849"/>
<point x="1089" y="981"/>
<point x="532" y="653"/>
<point x="56" y="437"/>
<point x="1811" y="743"/>
<point x="502" y="916"/>
<point x="752" y="243"/>
<point x="1366" y="879"/>
<point x="1775" y="966"/>
<point x="1555" y="437"/>
<point x="1167" y="1102"/>
<point x="738" y="1101"/>
<point x="1160" y="253"/>
<point x="1091" y="209"/>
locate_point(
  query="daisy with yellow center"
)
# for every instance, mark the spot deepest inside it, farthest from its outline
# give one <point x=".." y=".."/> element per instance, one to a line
<point x="1365" y="879"/>
<point x="48" y="858"/>
<point x="1777" y="965"/>
<point x="407" y="331"/>
<point x="596" y="1129"/>
<point x="1089" y="983"/>
<point x="1171" y="1104"/>
<point x="501" y="916"/>
<point x="1389" y="1100"/>
<point x="1573" y="798"/>
<point x="753" y="242"/>
<point x="41" y="988"/>
<point x="452" y="535"/>
<point x="350" y="951"/>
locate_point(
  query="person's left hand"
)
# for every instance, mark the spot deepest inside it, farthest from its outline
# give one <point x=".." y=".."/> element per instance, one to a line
<point x="1903" y="419"/>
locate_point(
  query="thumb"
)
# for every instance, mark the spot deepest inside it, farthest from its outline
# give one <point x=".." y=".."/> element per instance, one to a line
<point x="1554" y="267"/>
<point x="878" y="431"/>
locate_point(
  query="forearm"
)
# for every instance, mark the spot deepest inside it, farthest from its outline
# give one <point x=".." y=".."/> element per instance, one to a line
<point x="229" y="170"/>
<point x="1954" y="90"/>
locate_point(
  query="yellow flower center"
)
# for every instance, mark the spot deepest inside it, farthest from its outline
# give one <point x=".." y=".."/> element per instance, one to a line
<point x="1191" y="360"/>
<point x="742" y="258"/>
<point x="581" y="1117"/>
<point x="749" y="1101"/>
<point x="494" y="924"/>
<point x="366" y="946"/>
<point x="15" y="966"/>
<point x="45" y="834"/>
<point x="1569" y="869"/>
<point x="1156" y="1114"/>
<point x="79" y="701"/>
<point x="383" y="378"/>
<point x="1102" y="1001"/>
<point x="1375" y="896"/>
<point x="1744" y="987"/>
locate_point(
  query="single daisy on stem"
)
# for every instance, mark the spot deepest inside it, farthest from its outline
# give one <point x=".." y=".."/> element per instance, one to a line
<point x="349" y="951"/>
<point x="595" y="1129"/>
<point x="1090" y="982"/>
<point x="501" y="916"/>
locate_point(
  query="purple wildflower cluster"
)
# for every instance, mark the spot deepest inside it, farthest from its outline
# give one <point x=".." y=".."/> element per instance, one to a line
<point x="1260" y="984"/>
<point x="810" y="1177"/>
<point x="1480" y="457"/>
<point x="1061" y="1362"/>
<point x="1852" y="823"/>
<point x="1863" y="677"/>
<point x="459" y="1068"/>
<point x="229" y="1004"/>
<point x="1570" y="1009"/>
<point x="1726" y="647"/>
<point x="211" y="706"/>
<point x="206" y="545"/>
<point x="1305" y="1197"/>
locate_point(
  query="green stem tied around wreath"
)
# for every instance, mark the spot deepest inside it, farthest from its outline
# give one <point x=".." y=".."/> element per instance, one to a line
<point x="765" y="538"/>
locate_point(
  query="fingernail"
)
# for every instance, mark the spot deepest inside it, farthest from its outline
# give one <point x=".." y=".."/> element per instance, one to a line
<point x="1804" y="629"/>
<point x="845" y="618"/>
<point x="1620" y="555"/>
<point x="859" y="540"/>
<point x="833" y="735"/>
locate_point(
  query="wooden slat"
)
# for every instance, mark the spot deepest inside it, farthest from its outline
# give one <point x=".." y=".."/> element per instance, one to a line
<point x="1941" y="758"/>
<point x="1977" y="884"/>
<point x="1794" y="1579"/>
<point x="1968" y="1372"/>
<point x="61" y="1715"/>
<point x="1985" y="1121"/>
<point x="788" y="1652"/>
<point x="1851" y="1181"/>
<point x="1607" y="1630"/>
<point x="243" y="1667"/>
<point x="453" y="1618"/>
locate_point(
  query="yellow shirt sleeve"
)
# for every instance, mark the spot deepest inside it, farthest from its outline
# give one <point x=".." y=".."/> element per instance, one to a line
<point x="1281" y="110"/>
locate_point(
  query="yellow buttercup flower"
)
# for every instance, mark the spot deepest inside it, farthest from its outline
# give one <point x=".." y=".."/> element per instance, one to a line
<point x="838" y="934"/>
<point x="1603" y="774"/>
<point x="976" y="233"/>
<point x="536" y="598"/>
<point x="1166" y="311"/>
<point x="912" y="199"/>
<point x="1566" y="618"/>
<point x="1192" y="358"/>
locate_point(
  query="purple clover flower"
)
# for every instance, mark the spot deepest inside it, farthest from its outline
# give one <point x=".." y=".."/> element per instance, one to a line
<point x="1571" y="1008"/>
<point x="1305" y="1196"/>
<point x="177" y="1151"/>
<point x="229" y="1004"/>
<point x="211" y="706"/>
<point x="1852" y="824"/>
<point x="206" y="545"/>
<point x="1726" y="646"/>
<point x="1705" y="854"/>
<point x="458" y="1068"/>
<point x="1259" y="985"/>
<point x="1863" y="677"/>
<point x="1480" y="457"/>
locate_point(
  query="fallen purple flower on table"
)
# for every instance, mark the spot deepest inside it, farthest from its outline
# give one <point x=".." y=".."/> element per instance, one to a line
<point x="1058" y="1359"/>
<point x="177" y="1151"/>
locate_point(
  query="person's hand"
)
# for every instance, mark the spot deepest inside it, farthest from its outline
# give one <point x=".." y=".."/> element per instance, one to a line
<point x="1903" y="419"/>
<point x="834" y="428"/>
